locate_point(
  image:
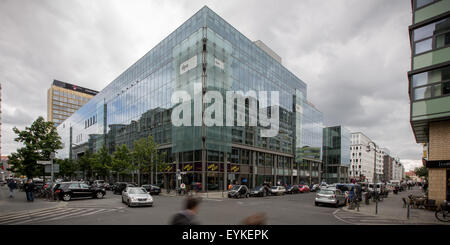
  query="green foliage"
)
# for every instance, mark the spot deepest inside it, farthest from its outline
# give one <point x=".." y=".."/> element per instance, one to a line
<point x="121" y="160"/>
<point x="67" y="167"/>
<point x="421" y="172"/>
<point x="144" y="154"/>
<point x="38" y="140"/>
<point x="102" y="162"/>
<point x="85" y="163"/>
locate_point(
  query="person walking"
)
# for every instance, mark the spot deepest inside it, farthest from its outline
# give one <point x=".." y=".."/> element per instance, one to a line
<point x="29" y="187"/>
<point x="188" y="215"/>
<point x="12" y="186"/>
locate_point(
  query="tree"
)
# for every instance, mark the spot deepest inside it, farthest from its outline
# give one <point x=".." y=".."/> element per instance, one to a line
<point x="421" y="172"/>
<point x="121" y="161"/>
<point x="67" y="167"/>
<point x="39" y="140"/>
<point x="144" y="156"/>
<point x="85" y="163"/>
<point x="102" y="162"/>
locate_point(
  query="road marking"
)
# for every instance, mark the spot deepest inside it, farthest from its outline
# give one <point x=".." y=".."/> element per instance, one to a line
<point x="45" y="216"/>
<point x="12" y="217"/>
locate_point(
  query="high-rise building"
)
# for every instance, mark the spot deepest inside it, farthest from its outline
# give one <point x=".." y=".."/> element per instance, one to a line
<point x="429" y="90"/>
<point x="204" y="54"/>
<point x="63" y="99"/>
<point x="336" y="154"/>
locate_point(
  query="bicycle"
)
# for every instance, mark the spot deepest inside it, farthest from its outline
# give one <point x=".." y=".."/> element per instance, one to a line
<point x="442" y="214"/>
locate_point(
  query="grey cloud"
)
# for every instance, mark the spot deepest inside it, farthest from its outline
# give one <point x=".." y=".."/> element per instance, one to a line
<point x="353" y="54"/>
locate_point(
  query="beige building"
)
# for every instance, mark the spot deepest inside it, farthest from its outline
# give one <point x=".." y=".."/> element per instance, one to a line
<point x="63" y="99"/>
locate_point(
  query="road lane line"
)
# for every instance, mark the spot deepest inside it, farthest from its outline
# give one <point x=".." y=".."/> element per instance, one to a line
<point x="34" y="214"/>
<point x="33" y="219"/>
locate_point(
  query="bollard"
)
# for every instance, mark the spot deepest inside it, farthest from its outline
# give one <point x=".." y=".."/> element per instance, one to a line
<point x="376" y="206"/>
<point x="357" y="206"/>
<point x="407" y="213"/>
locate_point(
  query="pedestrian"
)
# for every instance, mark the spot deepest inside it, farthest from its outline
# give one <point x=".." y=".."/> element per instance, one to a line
<point x="29" y="188"/>
<point x="188" y="215"/>
<point x="255" y="219"/>
<point x="12" y="186"/>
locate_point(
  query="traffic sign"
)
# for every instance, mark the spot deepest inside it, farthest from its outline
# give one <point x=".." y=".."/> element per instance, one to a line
<point x="48" y="168"/>
<point x="44" y="162"/>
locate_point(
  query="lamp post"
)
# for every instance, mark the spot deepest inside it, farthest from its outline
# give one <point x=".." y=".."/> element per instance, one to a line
<point x="374" y="171"/>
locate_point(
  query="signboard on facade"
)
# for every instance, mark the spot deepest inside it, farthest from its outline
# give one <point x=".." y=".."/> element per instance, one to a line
<point x="298" y="108"/>
<point x="219" y="63"/>
<point x="213" y="167"/>
<point x="48" y="168"/>
<point x="188" y="65"/>
<point x="188" y="167"/>
<point x="294" y="172"/>
<point x="436" y="164"/>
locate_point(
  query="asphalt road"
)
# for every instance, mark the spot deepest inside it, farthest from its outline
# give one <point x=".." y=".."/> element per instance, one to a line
<point x="297" y="209"/>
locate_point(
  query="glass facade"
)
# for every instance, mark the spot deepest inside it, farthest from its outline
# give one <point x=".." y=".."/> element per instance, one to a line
<point x="336" y="154"/>
<point x="209" y="52"/>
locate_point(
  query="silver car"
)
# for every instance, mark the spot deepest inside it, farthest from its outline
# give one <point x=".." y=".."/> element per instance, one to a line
<point x="136" y="196"/>
<point x="330" y="196"/>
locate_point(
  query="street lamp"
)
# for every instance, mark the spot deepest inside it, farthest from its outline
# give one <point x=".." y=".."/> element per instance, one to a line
<point x="374" y="171"/>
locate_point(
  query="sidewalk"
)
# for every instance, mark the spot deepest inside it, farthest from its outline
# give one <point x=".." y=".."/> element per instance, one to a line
<point x="205" y="195"/>
<point x="19" y="202"/>
<point x="392" y="208"/>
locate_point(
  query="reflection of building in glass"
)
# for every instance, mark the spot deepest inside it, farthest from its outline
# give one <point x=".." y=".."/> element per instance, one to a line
<point x="205" y="50"/>
<point x="336" y="154"/>
<point x="309" y="148"/>
<point x="429" y="90"/>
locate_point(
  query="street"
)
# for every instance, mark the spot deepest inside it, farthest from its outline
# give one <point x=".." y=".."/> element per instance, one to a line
<point x="297" y="209"/>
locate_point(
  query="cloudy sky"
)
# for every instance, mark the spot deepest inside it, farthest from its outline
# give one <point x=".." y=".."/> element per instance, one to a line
<point x="353" y="54"/>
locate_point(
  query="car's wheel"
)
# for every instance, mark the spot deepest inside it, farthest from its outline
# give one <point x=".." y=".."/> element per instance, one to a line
<point x="316" y="203"/>
<point x="99" y="195"/>
<point x="66" y="197"/>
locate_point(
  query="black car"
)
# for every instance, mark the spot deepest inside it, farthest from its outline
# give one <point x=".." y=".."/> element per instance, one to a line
<point x="293" y="189"/>
<point x="68" y="190"/>
<point x="152" y="189"/>
<point x="259" y="191"/>
<point x="238" y="191"/>
<point x="120" y="186"/>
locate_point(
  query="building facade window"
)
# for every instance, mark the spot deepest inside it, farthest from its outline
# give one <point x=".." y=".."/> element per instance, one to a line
<point x="432" y="36"/>
<point x="431" y="84"/>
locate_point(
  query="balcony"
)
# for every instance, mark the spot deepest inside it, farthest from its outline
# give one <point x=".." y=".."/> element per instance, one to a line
<point x="432" y="10"/>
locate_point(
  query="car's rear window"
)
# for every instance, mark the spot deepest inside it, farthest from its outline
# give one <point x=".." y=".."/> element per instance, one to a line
<point x="326" y="192"/>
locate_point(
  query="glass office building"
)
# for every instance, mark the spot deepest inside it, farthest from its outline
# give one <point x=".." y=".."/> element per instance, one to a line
<point x="209" y="52"/>
<point x="336" y="154"/>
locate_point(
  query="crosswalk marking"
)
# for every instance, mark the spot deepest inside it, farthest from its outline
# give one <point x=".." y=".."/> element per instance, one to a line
<point x="44" y="215"/>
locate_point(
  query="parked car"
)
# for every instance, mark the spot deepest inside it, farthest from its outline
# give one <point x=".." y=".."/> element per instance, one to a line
<point x="304" y="188"/>
<point x="136" y="196"/>
<point x="120" y="186"/>
<point x="99" y="183"/>
<point x="293" y="189"/>
<point x="277" y="190"/>
<point x="152" y="189"/>
<point x="238" y="191"/>
<point x="259" y="191"/>
<point x="68" y="190"/>
<point x="330" y="196"/>
<point x="315" y="187"/>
